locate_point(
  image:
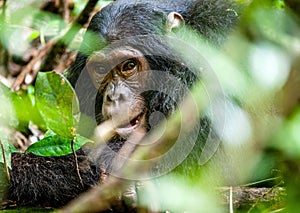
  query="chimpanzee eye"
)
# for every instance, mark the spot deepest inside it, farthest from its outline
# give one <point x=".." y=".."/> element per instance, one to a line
<point x="128" y="65"/>
<point x="96" y="67"/>
<point x="101" y="70"/>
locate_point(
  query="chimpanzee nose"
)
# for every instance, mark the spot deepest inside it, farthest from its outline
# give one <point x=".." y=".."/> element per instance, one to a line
<point x="114" y="93"/>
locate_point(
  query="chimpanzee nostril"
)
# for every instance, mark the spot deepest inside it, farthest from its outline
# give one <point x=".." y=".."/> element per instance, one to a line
<point x="115" y="97"/>
<point x="115" y="93"/>
<point x="111" y="93"/>
<point x="122" y="97"/>
<point x="108" y="99"/>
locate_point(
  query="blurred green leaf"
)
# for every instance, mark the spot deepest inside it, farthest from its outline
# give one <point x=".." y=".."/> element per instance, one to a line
<point x="56" y="145"/>
<point x="176" y="195"/>
<point x="279" y="3"/>
<point x="17" y="109"/>
<point x="287" y="139"/>
<point x="52" y="27"/>
<point x="7" y="113"/>
<point x="35" y="34"/>
<point x="31" y="96"/>
<point x="49" y="133"/>
<point x="7" y="151"/>
<point x="15" y="39"/>
<point x="57" y="102"/>
<point x="48" y="24"/>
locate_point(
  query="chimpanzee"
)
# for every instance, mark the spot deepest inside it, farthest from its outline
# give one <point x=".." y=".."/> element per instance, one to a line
<point x="125" y="71"/>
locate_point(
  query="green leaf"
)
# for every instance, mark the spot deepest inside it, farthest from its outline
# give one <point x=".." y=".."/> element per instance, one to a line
<point x="31" y="96"/>
<point x="49" y="133"/>
<point x="7" y="112"/>
<point x="287" y="138"/>
<point x="17" y="109"/>
<point x="13" y="149"/>
<point x="7" y="149"/>
<point x="35" y="34"/>
<point x="58" y="103"/>
<point x="56" y="145"/>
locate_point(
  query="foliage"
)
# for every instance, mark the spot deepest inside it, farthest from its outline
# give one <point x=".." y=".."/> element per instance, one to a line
<point x="257" y="72"/>
<point x="56" y="145"/>
<point x="57" y="103"/>
<point x="54" y="92"/>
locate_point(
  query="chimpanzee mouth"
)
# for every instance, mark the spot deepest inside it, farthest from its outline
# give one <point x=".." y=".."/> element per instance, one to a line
<point x="130" y="126"/>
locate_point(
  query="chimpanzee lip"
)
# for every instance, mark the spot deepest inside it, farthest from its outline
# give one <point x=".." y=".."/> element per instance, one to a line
<point x="130" y="126"/>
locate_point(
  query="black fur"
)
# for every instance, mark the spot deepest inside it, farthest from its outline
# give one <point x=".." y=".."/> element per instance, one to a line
<point x="121" y="23"/>
<point x="40" y="181"/>
<point x="49" y="181"/>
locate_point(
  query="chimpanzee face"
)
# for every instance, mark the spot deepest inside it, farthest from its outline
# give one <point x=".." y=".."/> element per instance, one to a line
<point x="119" y="75"/>
<point x="119" y="66"/>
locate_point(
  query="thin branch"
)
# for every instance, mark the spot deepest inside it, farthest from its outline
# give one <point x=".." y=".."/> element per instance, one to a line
<point x="76" y="161"/>
<point x="29" y="67"/>
<point x="65" y="9"/>
<point x="59" y="48"/>
<point x="55" y="48"/>
<point x="230" y="200"/>
<point x="259" y="199"/>
<point x="250" y="197"/>
<point x="4" y="6"/>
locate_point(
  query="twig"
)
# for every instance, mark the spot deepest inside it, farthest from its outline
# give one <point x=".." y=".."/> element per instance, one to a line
<point x="65" y="9"/>
<point x="86" y="13"/>
<point x="29" y="67"/>
<point x="248" y="198"/>
<point x="4" y="5"/>
<point x="230" y="200"/>
<point x="56" y="48"/>
<point x="76" y="161"/>
<point x="262" y="196"/>
<point x="5" y="161"/>
<point x="261" y="181"/>
<point x="59" y="48"/>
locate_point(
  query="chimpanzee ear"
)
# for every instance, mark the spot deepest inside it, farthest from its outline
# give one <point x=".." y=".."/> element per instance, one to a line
<point x="175" y="20"/>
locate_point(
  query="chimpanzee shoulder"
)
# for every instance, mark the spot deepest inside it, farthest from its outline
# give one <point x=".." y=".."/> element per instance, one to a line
<point x="50" y="181"/>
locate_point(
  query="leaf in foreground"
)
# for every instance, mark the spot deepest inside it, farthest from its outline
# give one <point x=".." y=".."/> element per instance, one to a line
<point x="58" y="103"/>
<point x="55" y="145"/>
